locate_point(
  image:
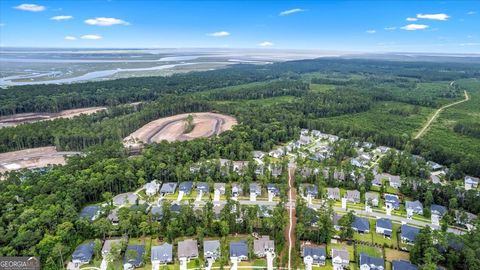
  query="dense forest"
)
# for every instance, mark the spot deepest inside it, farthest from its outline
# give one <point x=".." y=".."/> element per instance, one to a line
<point x="39" y="209"/>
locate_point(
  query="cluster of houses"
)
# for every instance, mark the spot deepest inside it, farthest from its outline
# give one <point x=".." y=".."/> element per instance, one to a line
<point x="317" y="256"/>
<point x="187" y="250"/>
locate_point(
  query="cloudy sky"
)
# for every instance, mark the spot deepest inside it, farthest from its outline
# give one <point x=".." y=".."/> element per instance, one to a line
<point x="415" y="26"/>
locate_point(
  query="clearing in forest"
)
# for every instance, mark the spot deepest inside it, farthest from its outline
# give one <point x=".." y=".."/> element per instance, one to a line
<point x="181" y="127"/>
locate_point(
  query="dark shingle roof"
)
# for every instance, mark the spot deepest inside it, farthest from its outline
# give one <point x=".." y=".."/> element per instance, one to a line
<point x="318" y="254"/>
<point x="273" y="189"/>
<point x="89" y="212"/>
<point x="403" y="265"/>
<point x="361" y="224"/>
<point x="138" y="260"/>
<point x="373" y="262"/>
<point x="238" y="249"/>
<point x="438" y="209"/>
<point x="186" y="187"/>
<point x="162" y="253"/>
<point x="384" y="223"/>
<point x="168" y="187"/>
<point x="202" y="186"/>
<point x="83" y="252"/>
<point x="409" y="232"/>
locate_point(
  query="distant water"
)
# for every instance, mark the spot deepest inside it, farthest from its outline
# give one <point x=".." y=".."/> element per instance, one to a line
<point x="9" y="81"/>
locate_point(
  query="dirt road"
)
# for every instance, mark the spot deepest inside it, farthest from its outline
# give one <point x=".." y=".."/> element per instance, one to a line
<point x="437" y="112"/>
<point x="292" y="198"/>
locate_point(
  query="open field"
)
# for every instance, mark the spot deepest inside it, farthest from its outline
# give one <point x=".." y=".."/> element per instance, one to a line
<point x="17" y="119"/>
<point x="32" y="158"/>
<point x="173" y="128"/>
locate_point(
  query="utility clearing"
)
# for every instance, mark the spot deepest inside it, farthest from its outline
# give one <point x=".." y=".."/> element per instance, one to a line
<point x="437" y="113"/>
<point x="20" y="118"/>
<point x="180" y="127"/>
<point x="32" y="158"/>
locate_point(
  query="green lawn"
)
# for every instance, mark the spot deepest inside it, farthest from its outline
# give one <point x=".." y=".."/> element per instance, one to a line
<point x="372" y="251"/>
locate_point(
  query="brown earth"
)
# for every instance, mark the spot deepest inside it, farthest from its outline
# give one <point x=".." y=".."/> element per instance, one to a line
<point x="20" y="118"/>
<point x="172" y="128"/>
<point x="32" y="158"/>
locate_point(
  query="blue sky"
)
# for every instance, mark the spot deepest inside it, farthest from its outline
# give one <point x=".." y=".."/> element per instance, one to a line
<point x="432" y="26"/>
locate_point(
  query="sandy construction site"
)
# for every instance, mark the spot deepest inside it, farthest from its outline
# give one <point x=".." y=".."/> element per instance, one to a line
<point x="32" y="158"/>
<point x="205" y="124"/>
<point x="16" y="119"/>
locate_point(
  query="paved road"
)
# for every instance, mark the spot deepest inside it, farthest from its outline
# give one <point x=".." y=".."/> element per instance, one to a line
<point x="435" y="115"/>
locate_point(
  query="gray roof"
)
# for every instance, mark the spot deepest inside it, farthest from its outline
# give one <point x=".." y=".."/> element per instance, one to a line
<point x="175" y="207"/>
<point x="157" y="211"/>
<point x="310" y="189"/>
<point x="273" y="189"/>
<point x="138" y="260"/>
<point x="438" y="209"/>
<point x="333" y="193"/>
<point x="169" y="187"/>
<point x="203" y="186"/>
<point x="236" y="188"/>
<point x="262" y="244"/>
<point x="393" y="199"/>
<point x="89" y="212"/>
<point x="409" y="232"/>
<point x="414" y="205"/>
<point x="162" y="253"/>
<point x="318" y="254"/>
<point x="239" y="249"/>
<point x="371" y="195"/>
<point x="255" y="188"/>
<point x="384" y="223"/>
<point x="373" y="262"/>
<point x="211" y="249"/>
<point x="220" y="187"/>
<point x="403" y="265"/>
<point x="471" y="180"/>
<point x="353" y="195"/>
<point x="186" y="187"/>
<point x="342" y="253"/>
<point x="188" y="248"/>
<point x="107" y="245"/>
<point x="395" y="179"/>
<point x="83" y="253"/>
<point x="361" y="224"/>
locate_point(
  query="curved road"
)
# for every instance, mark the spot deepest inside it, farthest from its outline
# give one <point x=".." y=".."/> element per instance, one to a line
<point x="435" y="115"/>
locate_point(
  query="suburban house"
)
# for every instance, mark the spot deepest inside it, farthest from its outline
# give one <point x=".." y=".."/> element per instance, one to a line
<point x="133" y="261"/>
<point x="91" y="212"/>
<point x="314" y="255"/>
<point x="202" y="187"/>
<point x="255" y="190"/>
<point x="353" y="196"/>
<point x="403" y="265"/>
<point x="187" y="249"/>
<point x="392" y="200"/>
<point x="435" y="178"/>
<point x="335" y="219"/>
<point x="438" y="210"/>
<point x="175" y="207"/>
<point x="238" y="251"/>
<point x="409" y="233"/>
<point x="258" y="154"/>
<point x="217" y="209"/>
<point x="107" y="245"/>
<point x="333" y="194"/>
<point x="339" y="175"/>
<point x="240" y="167"/>
<point x="361" y="225"/>
<point x="113" y="217"/>
<point x="162" y="254"/>
<point x="304" y="140"/>
<point x="368" y="262"/>
<point x="211" y="249"/>
<point x="236" y="190"/>
<point x="310" y="190"/>
<point x="273" y="189"/>
<point x="83" y="254"/>
<point x="141" y="207"/>
<point x="371" y="198"/>
<point x="434" y="166"/>
<point x="377" y="180"/>
<point x="384" y="226"/>
<point x="276" y="170"/>
<point x="355" y="162"/>
<point x="168" y="188"/>
<point x="465" y="219"/>
<point x="395" y="181"/>
<point x="152" y="188"/>
<point x="219" y="188"/>
<point x="414" y="207"/>
<point x="265" y="211"/>
<point x="277" y="153"/>
<point x="471" y="182"/>
<point x="340" y="259"/>
<point x="186" y="187"/>
<point x="263" y="245"/>
<point x="157" y="212"/>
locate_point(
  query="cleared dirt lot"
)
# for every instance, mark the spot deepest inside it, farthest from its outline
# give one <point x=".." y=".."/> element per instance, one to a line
<point x="206" y="124"/>
<point x="32" y="158"/>
<point x="20" y="118"/>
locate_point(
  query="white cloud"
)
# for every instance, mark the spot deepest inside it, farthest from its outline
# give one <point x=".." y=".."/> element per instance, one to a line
<point x="265" y="44"/>
<point x="411" y="19"/>
<point x="70" y="38"/>
<point x="61" y="18"/>
<point x="470" y="44"/>
<point x="438" y="16"/>
<point x="471" y="13"/>
<point x="30" y="7"/>
<point x="93" y="37"/>
<point x="103" y="21"/>
<point x="371" y="31"/>
<point x="291" y="11"/>
<point x="413" y="27"/>
<point x="219" y="34"/>
<point x="390" y="28"/>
